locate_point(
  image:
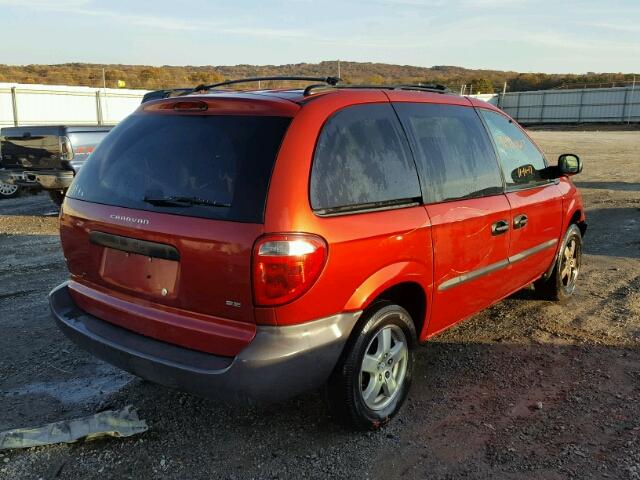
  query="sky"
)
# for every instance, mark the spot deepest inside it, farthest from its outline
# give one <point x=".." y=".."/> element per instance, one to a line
<point x="559" y="36"/>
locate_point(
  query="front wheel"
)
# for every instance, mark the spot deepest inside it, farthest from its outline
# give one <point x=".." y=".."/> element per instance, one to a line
<point x="562" y="282"/>
<point x="373" y="378"/>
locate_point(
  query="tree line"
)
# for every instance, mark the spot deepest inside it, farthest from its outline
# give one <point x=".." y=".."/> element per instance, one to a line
<point x="150" y="77"/>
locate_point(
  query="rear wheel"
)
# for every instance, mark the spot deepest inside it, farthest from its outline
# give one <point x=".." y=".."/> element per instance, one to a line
<point x="8" y="191"/>
<point x="372" y="380"/>
<point x="57" y="196"/>
<point x="562" y="282"/>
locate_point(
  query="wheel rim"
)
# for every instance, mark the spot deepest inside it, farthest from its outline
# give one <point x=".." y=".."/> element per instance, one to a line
<point x="7" y="189"/>
<point x="570" y="264"/>
<point x="384" y="367"/>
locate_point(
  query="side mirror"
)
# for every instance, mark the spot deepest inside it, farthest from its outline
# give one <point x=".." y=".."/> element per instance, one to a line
<point x="569" y="164"/>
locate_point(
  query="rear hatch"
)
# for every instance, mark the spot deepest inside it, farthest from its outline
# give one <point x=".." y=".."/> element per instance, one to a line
<point x="33" y="148"/>
<point x="159" y="224"/>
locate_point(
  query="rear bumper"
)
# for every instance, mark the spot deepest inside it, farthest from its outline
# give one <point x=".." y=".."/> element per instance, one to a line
<point x="279" y="363"/>
<point x="46" y="179"/>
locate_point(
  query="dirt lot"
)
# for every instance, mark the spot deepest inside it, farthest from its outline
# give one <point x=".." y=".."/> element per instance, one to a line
<point x="474" y="411"/>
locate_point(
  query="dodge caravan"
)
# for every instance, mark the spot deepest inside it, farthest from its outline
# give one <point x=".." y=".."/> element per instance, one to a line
<point x="252" y="245"/>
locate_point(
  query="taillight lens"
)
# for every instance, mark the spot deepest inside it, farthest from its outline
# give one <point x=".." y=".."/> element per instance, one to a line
<point x="285" y="266"/>
<point x="66" y="150"/>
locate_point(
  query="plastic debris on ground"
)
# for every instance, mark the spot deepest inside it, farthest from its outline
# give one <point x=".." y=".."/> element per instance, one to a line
<point x="110" y="423"/>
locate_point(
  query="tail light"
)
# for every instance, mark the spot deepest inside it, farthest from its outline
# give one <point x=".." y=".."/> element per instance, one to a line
<point x="285" y="266"/>
<point x="66" y="151"/>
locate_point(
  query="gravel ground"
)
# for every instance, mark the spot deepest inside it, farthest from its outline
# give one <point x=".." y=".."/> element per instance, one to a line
<point x="526" y="389"/>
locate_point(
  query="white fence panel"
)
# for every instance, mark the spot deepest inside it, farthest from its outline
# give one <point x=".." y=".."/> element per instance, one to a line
<point x="40" y="107"/>
<point x="618" y="104"/>
<point x="61" y="104"/>
<point x="117" y="104"/>
<point x="491" y="98"/>
<point x="6" y="107"/>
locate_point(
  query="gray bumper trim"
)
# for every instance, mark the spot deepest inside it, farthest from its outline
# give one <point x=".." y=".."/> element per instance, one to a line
<point x="47" y="179"/>
<point x="279" y="363"/>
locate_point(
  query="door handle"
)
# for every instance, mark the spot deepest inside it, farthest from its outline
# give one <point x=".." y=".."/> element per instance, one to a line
<point x="500" y="227"/>
<point x="520" y="221"/>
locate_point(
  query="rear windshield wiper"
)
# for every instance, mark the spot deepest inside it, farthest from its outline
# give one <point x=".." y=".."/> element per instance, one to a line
<point x="178" y="201"/>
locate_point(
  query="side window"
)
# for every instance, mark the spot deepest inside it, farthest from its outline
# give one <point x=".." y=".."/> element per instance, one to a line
<point x="453" y="151"/>
<point x="362" y="157"/>
<point x="515" y="151"/>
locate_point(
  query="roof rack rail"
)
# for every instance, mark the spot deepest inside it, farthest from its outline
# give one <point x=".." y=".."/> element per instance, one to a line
<point x="178" y="92"/>
<point x="317" y="88"/>
<point x="332" y="81"/>
<point x="328" y="83"/>
<point x="427" y="88"/>
<point x="432" y="88"/>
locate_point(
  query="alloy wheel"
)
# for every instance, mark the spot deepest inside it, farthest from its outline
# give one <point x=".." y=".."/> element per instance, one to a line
<point x="570" y="264"/>
<point x="7" y="190"/>
<point x="384" y="367"/>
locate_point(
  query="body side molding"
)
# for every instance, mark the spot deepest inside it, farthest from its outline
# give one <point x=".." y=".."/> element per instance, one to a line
<point x="466" y="277"/>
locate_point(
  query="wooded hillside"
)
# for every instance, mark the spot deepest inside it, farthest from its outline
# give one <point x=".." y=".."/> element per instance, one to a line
<point x="141" y="76"/>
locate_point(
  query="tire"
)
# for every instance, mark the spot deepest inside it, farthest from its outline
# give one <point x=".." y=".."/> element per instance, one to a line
<point x="57" y="196"/>
<point x="562" y="282"/>
<point x="379" y="355"/>
<point x="8" y="191"/>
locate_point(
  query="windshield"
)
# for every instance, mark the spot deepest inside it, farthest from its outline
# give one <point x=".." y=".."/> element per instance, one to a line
<point x="195" y="165"/>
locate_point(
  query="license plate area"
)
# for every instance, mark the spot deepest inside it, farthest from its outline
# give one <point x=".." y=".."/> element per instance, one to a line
<point x="140" y="273"/>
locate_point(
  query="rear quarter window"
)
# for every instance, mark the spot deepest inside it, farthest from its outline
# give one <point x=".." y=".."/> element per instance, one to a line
<point x="362" y="160"/>
<point x="222" y="159"/>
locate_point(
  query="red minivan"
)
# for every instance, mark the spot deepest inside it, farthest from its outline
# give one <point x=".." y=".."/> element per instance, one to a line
<point x="253" y="245"/>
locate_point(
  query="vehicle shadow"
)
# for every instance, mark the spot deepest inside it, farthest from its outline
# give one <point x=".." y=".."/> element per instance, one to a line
<point x="28" y="204"/>
<point x="27" y="215"/>
<point x="474" y="407"/>
<point x="527" y="293"/>
<point x="622" y="186"/>
<point x="613" y="232"/>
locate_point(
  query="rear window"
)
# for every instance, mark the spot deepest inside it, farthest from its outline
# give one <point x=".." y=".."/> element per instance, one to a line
<point x="29" y="146"/>
<point x="222" y="163"/>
